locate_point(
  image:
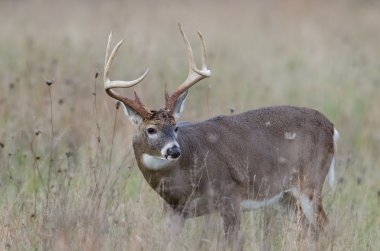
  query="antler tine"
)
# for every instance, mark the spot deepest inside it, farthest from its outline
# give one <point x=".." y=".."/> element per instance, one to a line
<point x="109" y="85"/>
<point x="117" y="83"/>
<point x="107" y="51"/>
<point x="205" y="70"/>
<point x="195" y="74"/>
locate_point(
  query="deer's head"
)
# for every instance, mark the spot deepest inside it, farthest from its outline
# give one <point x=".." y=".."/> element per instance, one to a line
<point x="156" y="129"/>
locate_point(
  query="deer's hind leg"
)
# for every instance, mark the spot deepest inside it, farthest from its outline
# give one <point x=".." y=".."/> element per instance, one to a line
<point x="309" y="192"/>
<point x="292" y="207"/>
<point x="308" y="202"/>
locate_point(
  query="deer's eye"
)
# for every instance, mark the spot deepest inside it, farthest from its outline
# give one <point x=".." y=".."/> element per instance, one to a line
<point x="176" y="129"/>
<point x="151" y="130"/>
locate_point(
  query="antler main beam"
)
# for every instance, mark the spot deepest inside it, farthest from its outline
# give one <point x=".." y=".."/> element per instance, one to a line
<point x="135" y="104"/>
<point x="195" y="75"/>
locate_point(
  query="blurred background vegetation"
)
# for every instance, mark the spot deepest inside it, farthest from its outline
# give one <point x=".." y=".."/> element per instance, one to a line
<point x="68" y="179"/>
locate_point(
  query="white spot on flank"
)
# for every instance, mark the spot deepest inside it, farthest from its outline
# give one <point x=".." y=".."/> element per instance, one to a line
<point x="267" y="124"/>
<point x="282" y="160"/>
<point x="155" y="163"/>
<point x="290" y="135"/>
<point x="212" y="137"/>
<point x="210" y="192"/>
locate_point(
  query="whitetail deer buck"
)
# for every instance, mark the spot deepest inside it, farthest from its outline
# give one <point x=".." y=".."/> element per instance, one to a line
<point x="229" y="163"/>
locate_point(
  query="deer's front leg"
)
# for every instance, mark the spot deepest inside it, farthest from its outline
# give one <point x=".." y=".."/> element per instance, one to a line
<point x="230" y="212"/>
<point x="174" y="221"/>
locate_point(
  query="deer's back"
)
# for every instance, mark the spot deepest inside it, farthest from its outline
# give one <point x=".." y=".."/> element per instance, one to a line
<point x="260" y="145"/>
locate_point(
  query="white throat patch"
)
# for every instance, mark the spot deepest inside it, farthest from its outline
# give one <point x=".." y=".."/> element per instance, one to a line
<point x="154" y="163"/>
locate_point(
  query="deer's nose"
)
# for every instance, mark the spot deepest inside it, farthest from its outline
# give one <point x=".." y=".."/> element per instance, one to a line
<point x="174" y="152"/>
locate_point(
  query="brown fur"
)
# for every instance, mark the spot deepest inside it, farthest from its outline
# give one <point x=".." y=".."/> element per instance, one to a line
<point x="254" y="155"/>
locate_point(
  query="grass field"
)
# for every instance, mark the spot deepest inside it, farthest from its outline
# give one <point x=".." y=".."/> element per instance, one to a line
<point x="68" y="178"/>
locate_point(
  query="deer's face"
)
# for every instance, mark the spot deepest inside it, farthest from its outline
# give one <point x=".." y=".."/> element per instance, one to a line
<point x="157" y="133"/>
<point x="159" y="136"/>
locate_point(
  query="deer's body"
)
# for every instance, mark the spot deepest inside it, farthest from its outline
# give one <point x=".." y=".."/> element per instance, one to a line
<point x="253" y="156"/>
<point x="230" y="163"/>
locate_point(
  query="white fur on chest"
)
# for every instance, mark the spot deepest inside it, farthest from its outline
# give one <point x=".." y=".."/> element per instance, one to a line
<point x="154" y="163"/>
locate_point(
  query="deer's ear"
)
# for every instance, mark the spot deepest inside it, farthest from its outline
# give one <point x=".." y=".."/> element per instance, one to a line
<point x="179" y="105"/>
<point x="132" y="115"/>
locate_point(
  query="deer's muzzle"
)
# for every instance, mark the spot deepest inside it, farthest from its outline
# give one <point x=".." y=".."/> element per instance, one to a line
<point x="173" y="152"/>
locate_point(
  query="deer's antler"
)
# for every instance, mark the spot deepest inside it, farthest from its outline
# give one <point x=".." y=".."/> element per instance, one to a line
<point x="195" y="75"/>
<point x="135" y="104"/>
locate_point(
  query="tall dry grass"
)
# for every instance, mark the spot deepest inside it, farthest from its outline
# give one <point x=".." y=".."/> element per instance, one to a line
<point x="77" y="187"/>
